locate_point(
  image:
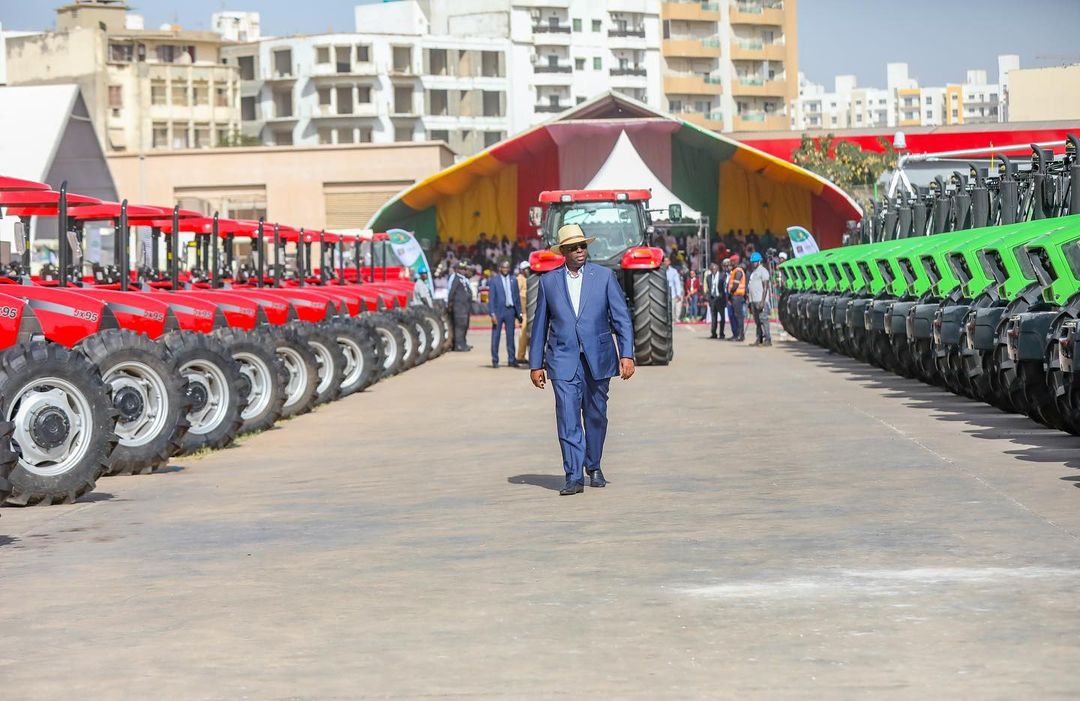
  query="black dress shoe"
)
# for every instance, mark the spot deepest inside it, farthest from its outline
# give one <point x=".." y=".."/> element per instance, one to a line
<point x="513" y="364"/>
<point x="572" y="488"/>
<point x="494" y="363"/>
<point x="467" y="348"/>
<point x="596" y="478"/>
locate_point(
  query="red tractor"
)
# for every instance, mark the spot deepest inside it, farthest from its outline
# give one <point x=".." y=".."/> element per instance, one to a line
<point x="619" y="221"/>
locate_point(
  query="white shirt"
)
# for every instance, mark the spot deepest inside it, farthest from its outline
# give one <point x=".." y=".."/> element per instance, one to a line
<point x="573" y="286"/>
<point x="674" y="281"/>
<point x="506" y="290"/>
<point x="758" y="285"/>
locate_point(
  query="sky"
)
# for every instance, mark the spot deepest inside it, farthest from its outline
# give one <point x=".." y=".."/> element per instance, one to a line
<point x="938" y="39"/>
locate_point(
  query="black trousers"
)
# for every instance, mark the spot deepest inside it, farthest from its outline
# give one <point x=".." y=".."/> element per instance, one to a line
<point x="461" y="327"/>
<point x="717" y="305"/>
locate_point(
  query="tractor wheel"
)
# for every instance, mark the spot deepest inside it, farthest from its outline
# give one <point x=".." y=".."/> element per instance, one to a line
<point x="63" y="422"/>
<point x="330" y="361"/>
<point x="414" y="323"/>
<point x="444" y="322"/>
<point x="301" y="370"/>
<point x="9" y="459"/>
<point x="358" y="347"/>
<point x="437" y="332"/>
<point x="214" y="389"/>
<point x="410" y="355"/>
<point x="653" y="342"/>
<point x="150" y="394"/>
<point x="392" y="340"/>
<point x="532" y="289"/>
<point x="263" y="377"/>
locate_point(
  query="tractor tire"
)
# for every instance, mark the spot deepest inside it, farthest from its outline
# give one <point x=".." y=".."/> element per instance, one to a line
<point x="329" y="358"/>
<point x="358" y="346"/>
<point x="411" y="347"/>
<point x="214" y="388"/>
<point x="63" y="423"/>
<point x="414" y="322"/>
<point x="263" y="377"/>
<point x="437" y="331"/>
<point x="392" y="340"/>
<point x="301" y="370"/>
<point x="532" y="290"/>
<point x="8" y="459"/>
<point x="148" y="391"/>
<point x="444" y="322"/>
<point x="653" y="331"/>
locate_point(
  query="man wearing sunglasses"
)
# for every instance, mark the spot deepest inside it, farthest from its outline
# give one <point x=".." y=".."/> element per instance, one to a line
<point x="578" y="308"/>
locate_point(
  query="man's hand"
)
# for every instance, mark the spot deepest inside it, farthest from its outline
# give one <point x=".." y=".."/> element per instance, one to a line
<point x="626" y="368"/>
<point x="493" y="321"/>
<point x="539" y="379"/>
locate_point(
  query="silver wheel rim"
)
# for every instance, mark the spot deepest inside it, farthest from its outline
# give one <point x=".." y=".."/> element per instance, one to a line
<point x="298" y="375"/>
<point x="209" y="379"/>
<point x="436" y="332"/>
<point x="421" y="339"/>
<point x="406" y="345"/>
<point x="389" y="346"/>
<point x="260" y="379"/>
<point x="57" y="400"/>
<point x="150" y="422"/>
<point x="354" y="360"/>
<point x="326" y="365"/>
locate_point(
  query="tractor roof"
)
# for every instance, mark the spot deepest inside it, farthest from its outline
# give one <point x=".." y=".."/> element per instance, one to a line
<point x="549" y="196"/>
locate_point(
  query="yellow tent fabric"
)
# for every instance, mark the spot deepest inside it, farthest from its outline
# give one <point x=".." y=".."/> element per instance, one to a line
<point x="452" y="181"/>
<point x="777" y="170"/>
<point x="486" y="204"/>
<point x="743" y="194"/>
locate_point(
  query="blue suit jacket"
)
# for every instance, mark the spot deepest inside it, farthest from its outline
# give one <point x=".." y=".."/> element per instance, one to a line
<point x="497" y="296"/>
<point x="559" y="337"/>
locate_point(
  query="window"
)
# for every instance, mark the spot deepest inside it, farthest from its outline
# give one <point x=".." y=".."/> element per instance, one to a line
<point x="929" y="100"/>
<point x="179" y="95"/>
<point x="579" y="64"/>
<point x="179" y="136"/>
<point x="221" y="97"/>
<point x="157" y="92"/>
<point x="161" y="135"/>
<point x="492" y="103"/>
<point x="364" y="135"/>
<point x="202" y="136"/>
<point x="675" y="105"/>
<point x="324" y="100"/>
<point x="283" y="103"/>
<point x="326" y="136"/>
<point x="403" y="134"/>
<point x="322" y="56"/>
<point x="200" y="92"/>
<point x="344" y="100"/>
<point x="596" y="25"/>
<point x="345" y="135"/>
<point x="363" y="53"/>
<point x="438" y="104"/>
<point x="247" y="67"/>
<point x="283" y="137"/>
<point x="579" y="99"/>
<point x="929" y="114"/>
<point x="116" y="96"/>
<point x="247" y="109"/>
<point x="577" y="25"/>
<point x="342" y="62"/>
<point x="489" y="64"/>
<point x="223" y="137"/>
<point x="439" y="135"/>
<point x="492" y="137"/>
<point x="402" y="59"/>
<point x="121" y="52"/>
<point x="403" y="100"/>
<point x="597" y="63"/>
<point x="283" y="62"/>
<point x="437" y="64"/>
<point x="954" y="114"/>
<point x="363" y="94"/>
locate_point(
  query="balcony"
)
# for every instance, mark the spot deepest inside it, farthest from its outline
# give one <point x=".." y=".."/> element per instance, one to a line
<point x="692" y="48"/>
<point x="691" y="11"/>
<point x="280" y="77"/>
<point x="757" y="50"/>
<point x="691" y="84"/>
<point x="757" y="14"/>
<point x="707" y="120"/>
<point x="553" y="68"/>
<point x="761" y="121"/>
<point x="550" y="109"/>
<point x="758" y="87"/>
<point x="628" y="70"/>
<point x="551" y="29"/>
<point x="365" y="110"/>
<point x="322" y="71"/>
<point x="627" y="32"/>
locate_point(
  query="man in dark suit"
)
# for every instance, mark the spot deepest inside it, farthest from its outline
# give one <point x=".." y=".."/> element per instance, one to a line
<point x="459" y="301"/>
<point x="504" y="306"/>
<point x="578" y="308"/>
<point x="716" y="293"/>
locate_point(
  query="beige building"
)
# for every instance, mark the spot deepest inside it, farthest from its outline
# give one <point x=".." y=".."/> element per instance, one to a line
<point x="1037" y="94"/>
<point x="145" y="89"/>
<point x="730" y="65"/>
<point x="332" y="187"/>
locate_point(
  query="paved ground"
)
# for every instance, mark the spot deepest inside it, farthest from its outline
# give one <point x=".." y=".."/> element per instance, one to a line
<point x="780" y="524"/>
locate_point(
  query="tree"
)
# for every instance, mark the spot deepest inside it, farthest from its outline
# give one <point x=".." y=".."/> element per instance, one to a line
<point x="845" y="163"/>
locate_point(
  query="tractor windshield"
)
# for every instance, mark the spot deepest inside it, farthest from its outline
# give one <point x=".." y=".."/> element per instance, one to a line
<point x="616" y="226"/>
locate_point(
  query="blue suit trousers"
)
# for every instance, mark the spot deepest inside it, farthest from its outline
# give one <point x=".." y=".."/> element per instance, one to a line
<point x="504" y="321"/>
<point x="578" y="401"/>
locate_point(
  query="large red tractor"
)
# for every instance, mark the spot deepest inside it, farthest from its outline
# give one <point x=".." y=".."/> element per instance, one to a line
<point x="619" y="221"/>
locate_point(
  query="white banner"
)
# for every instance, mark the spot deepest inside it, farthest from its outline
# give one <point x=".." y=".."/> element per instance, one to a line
<point x="802" y="241"/>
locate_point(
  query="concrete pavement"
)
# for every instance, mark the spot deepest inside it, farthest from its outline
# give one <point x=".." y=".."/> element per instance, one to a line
<point x="780" y="524"/>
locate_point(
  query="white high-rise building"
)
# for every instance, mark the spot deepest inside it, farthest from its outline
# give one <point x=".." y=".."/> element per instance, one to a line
<point x="236" y="26"/>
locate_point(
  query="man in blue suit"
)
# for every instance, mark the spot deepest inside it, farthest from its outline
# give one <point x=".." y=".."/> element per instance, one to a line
<point x="578" y="308"/>
<point x="504" y="306"/>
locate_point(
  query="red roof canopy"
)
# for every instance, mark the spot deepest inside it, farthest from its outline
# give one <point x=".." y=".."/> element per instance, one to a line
<point x="45" y="200"/>
<point x="7" y="183"/>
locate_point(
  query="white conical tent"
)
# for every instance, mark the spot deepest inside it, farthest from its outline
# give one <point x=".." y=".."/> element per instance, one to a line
<point x="625" y="169"/>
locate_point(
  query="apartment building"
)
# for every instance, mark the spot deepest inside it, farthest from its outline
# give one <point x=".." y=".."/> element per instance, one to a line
<point x="144" y="88"/>
<point x="730" y="65"/>
<point x="903" y="103"/>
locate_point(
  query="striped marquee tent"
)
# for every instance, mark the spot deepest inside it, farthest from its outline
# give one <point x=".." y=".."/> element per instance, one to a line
<point x="613" y="141"/>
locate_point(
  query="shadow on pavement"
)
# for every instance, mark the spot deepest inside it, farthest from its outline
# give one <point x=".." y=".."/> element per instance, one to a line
<point x="1035" y="442"/>
<point x="552" y="482"/>
<point x="7" y="540"/>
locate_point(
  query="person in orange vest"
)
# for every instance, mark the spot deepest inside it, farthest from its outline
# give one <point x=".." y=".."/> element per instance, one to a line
<point x="737" y="297"/>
